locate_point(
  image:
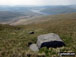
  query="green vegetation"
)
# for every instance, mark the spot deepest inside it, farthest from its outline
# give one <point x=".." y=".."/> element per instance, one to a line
<point x="14" y="39"/>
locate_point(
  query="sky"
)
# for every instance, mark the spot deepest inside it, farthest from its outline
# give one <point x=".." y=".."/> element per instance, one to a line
<point x="37" y="2"/>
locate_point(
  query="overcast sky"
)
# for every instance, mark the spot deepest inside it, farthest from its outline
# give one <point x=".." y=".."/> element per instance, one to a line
<point x="37" y="2"/>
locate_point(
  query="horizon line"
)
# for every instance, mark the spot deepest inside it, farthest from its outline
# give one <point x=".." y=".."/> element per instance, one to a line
<point x="35" y="5"/>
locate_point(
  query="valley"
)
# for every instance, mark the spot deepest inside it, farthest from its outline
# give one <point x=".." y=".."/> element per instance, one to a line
<point x="11" y="14"/>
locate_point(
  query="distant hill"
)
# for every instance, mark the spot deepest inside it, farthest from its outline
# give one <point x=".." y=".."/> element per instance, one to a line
<point x="21" y="9"/>
<point x="8" y="15"/>
<point x="52" y="10"/>
<point x="16" y="13"/>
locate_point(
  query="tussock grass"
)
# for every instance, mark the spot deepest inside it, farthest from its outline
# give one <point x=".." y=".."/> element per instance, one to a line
<point x="14" y="39"/>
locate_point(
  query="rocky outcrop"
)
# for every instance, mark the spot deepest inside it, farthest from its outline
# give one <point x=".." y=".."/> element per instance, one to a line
<point x="49" y="40"/>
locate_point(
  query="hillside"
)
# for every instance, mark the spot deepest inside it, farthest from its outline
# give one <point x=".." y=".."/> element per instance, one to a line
<point x="14" y="39"/>
<point x="39" y="19"/>
<point x="8" y="15"/>
<point x="59" y="10"/>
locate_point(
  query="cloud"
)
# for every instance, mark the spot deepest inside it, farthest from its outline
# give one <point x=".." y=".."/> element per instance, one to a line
<point x="72" y="1"/>
<point x="37" y="2"/>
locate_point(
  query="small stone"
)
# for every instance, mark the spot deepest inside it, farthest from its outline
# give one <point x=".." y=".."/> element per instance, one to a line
<point x="31" y="32"/>
<point x="34" y="47"/>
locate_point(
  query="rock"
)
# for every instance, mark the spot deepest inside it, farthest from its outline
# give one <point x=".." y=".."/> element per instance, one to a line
<point x="49" y="40"/>
<point x="34" y="47"/>
<point x="31" y="32"/>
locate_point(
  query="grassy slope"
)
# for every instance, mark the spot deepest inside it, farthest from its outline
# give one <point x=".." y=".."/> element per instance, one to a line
<point x="14" y="39"/>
